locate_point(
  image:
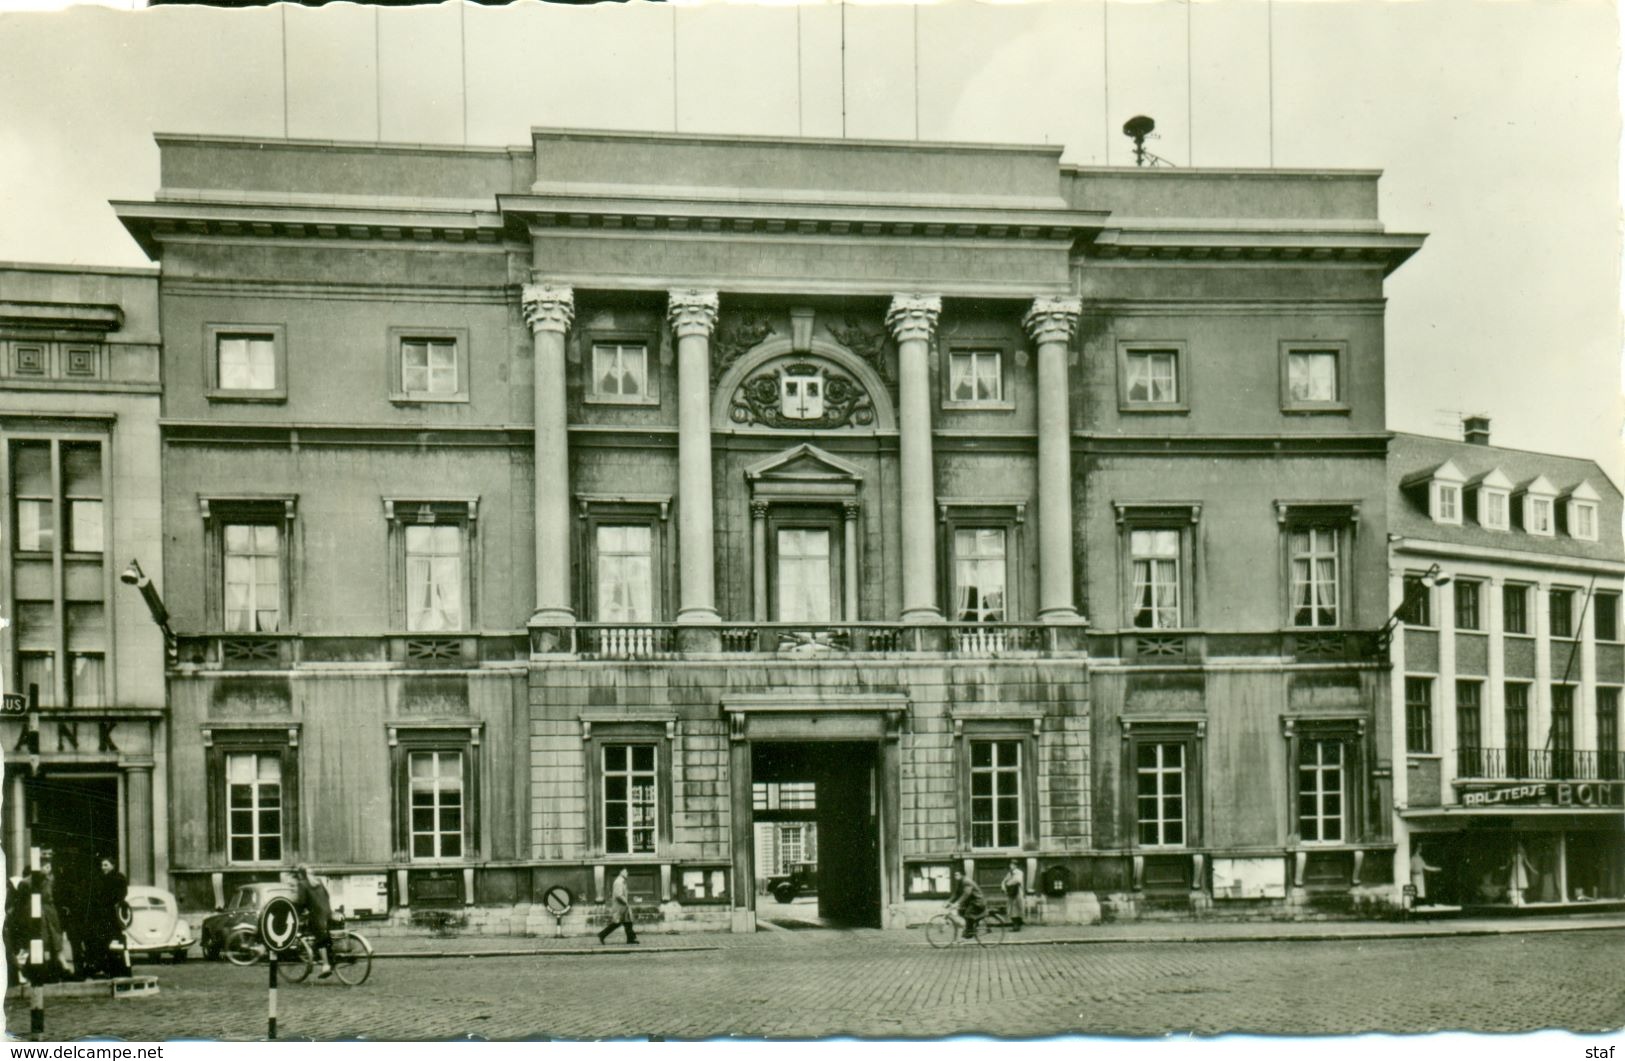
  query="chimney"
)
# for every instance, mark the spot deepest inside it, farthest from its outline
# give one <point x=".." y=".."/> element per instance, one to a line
<point x="1476" y="430"/>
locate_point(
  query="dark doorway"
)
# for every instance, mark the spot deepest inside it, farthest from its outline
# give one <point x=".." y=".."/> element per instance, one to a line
<point x="76" y="820"/>
<point x="846" y="813"/>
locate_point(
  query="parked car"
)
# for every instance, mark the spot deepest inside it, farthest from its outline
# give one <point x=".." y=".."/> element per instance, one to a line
<point x="243" y="909"/>
<point x="155" y="926"/>
<point x="801" y="880"/>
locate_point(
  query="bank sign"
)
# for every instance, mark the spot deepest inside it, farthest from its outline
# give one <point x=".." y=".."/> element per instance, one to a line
<point x="1549" y="794"/>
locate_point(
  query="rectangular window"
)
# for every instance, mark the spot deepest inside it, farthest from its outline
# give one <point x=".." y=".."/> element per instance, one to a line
<point x="246" y="362"/>
<point x="979" y="574"/>
<point x="1606" y="623"/>
<point x="1449" y="510"/>
<point x="995" y="793"/>
<point x="629" y="799"/>
<point x="1418" y="605"/>
<point x="87" y="679"/>
<point x="1156" y="578"/>
<point x="1583" y="520"/>
<point x="38" y="668"/>
<point x="1153" y="377"/>
<point x="1494" y="515"/>
<point x="1314" y="576"/>
<point x="804" y="588"/>
<point x="1561" y="608"/>
<point x="1470" y="729"/>
<point x="31" y="485"/>
<point x="429" y="366"/>
<point x="1160" y="770"/>
<point x="82" y="496"/>
<point x="254" y="807"/>
<point x="975" y="376"/>
<point x="625" y="573"/>
<point x="434" y="578"/>
<point x="620" y="371"/>
<point x="1515" y="609"/>
<point x="252" y="577"/>
<point x="1311" y="377"/>
<point x="1517" y="726"/>
<point x="437" y="804"/>
<point x="1539" y="513"/>
<point x="1320" y="791"/>
<point x="1608" y="760"/>
<point x="1419" y="715"/>
<point x="1562" y="737"/>
<point x="1467" y="597"/>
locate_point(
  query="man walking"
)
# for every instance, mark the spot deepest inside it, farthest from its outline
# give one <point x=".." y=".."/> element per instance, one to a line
<point x="620" y="911"/>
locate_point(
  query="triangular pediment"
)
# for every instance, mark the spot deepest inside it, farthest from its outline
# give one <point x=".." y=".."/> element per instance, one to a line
<point x="1583" y="492"/>
<point x="1540" y="486"/>
<point x="805" y="463"/>
<point x="1494" y="479"/>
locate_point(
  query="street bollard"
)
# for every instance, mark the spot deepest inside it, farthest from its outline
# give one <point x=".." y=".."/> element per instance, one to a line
<point x="36" y="949"/>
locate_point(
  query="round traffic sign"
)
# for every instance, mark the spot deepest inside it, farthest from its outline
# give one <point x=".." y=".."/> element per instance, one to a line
<point x="558" y="900"/>
<point x="279" y="923"/>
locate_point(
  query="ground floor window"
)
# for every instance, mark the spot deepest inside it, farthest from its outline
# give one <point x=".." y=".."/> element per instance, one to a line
<point x="629" y="799"/>
<point x="1525" y="868"/>
<point x="437" y="804"/>
<point x="995" y="793"/>
<point x="1320" y="791"/>
<point x="1160" y="770"/>
<point x="254" y="807"/>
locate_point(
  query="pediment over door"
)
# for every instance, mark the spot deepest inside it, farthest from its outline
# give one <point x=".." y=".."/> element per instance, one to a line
<point x="804" y="471"/>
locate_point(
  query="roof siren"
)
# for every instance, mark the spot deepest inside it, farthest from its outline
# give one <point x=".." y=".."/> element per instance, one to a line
<point x="1139" y="129"/>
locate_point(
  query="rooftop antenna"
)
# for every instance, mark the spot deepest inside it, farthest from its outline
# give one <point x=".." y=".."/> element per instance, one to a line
<point x="1139" y="129"/>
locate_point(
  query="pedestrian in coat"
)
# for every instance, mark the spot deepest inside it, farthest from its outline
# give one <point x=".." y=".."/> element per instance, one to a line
<point x="1419" y="873"/>
<point x="1015" y="894"/>
<point x="103" y="925"/>
<point x="620" y="911"/>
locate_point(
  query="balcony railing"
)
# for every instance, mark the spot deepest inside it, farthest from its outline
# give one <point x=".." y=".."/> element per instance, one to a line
<point x="1538" y="764"/>
<point x="285" y="651"/>
<point x="616" y="641"/>
<point x="1164" y="647"/>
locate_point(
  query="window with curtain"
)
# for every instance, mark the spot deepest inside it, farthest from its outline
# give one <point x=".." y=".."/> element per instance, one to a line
<point x="254" y="807"/>
<point x="620" y="370"/>
<point x="625" y="571"/>
<point x="1153" y="377"/>
<point x="1312" y="376"/>
<point x="979" y="574"/>
<point x="975" y="376"/>
<point x="1315" y="576"/>
<point x="804" y="589"/>
<point x="1156" y="578"/>
<point x="429" y="366"/>
<point x="252" y="577"/>
<point x="434" y="578"/>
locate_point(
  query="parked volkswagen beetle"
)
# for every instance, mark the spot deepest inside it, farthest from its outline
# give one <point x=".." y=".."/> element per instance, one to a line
<point x="155" y="926"/>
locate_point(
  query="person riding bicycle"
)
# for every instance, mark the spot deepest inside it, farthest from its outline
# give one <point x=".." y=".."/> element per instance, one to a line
<point x="317" y="910"/>
<point x="968" y="901"/>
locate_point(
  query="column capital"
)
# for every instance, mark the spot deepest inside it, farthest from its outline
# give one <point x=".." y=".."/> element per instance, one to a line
<point x="913" y="316"/>
<point x="549" y="307"/>
<point x="1052" y="319"/>
<point x="849" y="510"/>
<point x="692" y="312"/>
<point x="758" y="509"/>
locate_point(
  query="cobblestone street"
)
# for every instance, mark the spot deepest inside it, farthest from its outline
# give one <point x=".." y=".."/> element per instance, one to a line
<point x="890" y="985"/>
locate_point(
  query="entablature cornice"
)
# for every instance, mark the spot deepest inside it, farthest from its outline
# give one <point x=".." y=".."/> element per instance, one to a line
<point x="151" y="223"/>
<point x="1315" y="247"/>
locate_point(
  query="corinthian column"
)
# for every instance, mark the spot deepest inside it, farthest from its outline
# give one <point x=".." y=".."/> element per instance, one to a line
<point x="549" y="310"/>
<point x="693" y="314"/>
<point x="1050" y="323"/>
<point x="912" y="319"/>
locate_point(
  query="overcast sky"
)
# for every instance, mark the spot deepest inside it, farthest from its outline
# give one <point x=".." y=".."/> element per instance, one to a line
<point x="1497" y="126"/>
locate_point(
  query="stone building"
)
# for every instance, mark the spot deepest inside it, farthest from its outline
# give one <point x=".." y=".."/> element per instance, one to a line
<point x="79" y="392"/>
<point x="1506" y="572"/>
<point x="540" y="511"/>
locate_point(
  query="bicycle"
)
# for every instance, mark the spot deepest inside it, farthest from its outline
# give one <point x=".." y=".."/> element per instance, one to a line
<point x="352" y="954"/>
<point x="947" y="928"/>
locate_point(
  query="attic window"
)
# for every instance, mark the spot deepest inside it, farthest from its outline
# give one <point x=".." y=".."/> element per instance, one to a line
<point x="1490" y="496"/>
<point x="1539" y="507"/>
<point x="1580" y="512"/>
<point x="1446" y="502"/>
<point x="1492" y="509"/>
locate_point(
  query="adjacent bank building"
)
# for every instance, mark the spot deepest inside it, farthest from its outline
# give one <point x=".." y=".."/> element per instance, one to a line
<point x="533" y="513"/>
<point x="79" y="394"/>
<point x="1507" y="570"/>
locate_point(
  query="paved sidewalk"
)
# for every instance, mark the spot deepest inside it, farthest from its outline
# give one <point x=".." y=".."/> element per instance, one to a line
<point x="426" y="946"/>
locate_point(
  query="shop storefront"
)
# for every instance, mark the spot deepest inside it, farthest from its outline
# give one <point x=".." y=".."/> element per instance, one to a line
<point x="1534" y="845"/>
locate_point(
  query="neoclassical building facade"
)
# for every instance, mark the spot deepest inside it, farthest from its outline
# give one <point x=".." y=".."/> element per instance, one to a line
<point x="536" y="512"/>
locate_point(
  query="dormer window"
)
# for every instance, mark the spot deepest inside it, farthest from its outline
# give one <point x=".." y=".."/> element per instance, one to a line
<point x="1446" y="503"/>
<point x="1580" y="512"/>
<point x="1490" y="495"/>
<point x="1539" y="506"/>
